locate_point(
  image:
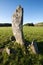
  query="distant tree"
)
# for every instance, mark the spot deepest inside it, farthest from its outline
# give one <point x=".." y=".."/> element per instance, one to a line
<point x="5" y="24"/>
<point x="29" y="24"/>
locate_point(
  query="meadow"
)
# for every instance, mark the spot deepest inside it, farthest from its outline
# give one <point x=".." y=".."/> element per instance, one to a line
<point x="30" y="33"/>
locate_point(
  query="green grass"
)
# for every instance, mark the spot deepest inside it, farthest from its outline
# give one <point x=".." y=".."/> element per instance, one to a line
<point x="31" y="33"/>
<point x="5" y="33"/>
<point x="34" y="33"/>
<point x="19" y="57"/>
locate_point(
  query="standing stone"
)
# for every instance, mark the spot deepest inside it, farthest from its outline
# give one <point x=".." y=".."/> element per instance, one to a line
<point x="17" y="25"/>
<point x="34" y="47"/>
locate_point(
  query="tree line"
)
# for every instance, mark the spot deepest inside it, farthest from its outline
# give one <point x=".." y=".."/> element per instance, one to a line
<point x="27" y="24"/>
<point x="5" y="24"/>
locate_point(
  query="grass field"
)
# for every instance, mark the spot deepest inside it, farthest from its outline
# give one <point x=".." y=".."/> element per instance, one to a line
<point x="5" y="33"/>
<point x="30" y="33"/>
<point x="34" y="33"/>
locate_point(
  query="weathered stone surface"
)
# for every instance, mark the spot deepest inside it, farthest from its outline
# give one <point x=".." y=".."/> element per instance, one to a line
<point x="17" y="22"/>
<point x="7" y="51"/>
<point x="34" y="47"/>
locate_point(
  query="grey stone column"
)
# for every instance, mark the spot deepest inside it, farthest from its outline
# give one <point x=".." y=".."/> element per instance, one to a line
<point x="17" y="25"/>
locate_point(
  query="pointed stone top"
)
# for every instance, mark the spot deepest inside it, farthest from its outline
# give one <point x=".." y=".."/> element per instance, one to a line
<point x="19" y="7"/>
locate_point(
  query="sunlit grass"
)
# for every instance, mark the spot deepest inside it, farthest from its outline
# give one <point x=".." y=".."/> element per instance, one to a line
<point x="19" y="57"/>
<point x="31" y="33"/>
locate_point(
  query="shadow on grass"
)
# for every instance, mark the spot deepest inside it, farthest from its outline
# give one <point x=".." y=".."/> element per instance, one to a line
<point x="5" y="43"/>
<point x="2" y="45"/>
<point x="26" y="42"/>
<point x="9" y="42"/>
<point x="40" y="47"/>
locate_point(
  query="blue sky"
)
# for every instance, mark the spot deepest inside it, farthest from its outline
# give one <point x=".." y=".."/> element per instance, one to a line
<point x="33" y="10"/>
